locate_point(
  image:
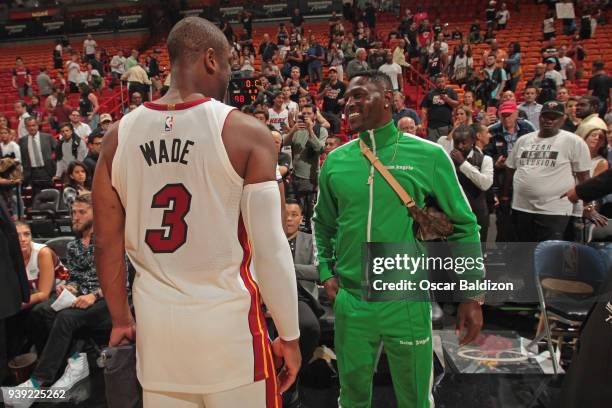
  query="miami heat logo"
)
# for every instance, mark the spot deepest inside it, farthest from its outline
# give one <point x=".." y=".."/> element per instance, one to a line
<point x="169" y="123"/>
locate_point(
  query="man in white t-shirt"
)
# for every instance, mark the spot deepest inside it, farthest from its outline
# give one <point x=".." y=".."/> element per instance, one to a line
<point x="74" y="73"/>
<point x="291" y="106"/>
<point x="279" y="116"/>
<point x="117" y="65"/>
<point x="503" y="16"/>
<point x="566" y="63"/>
<point x="89" y="48"/>
<point x="81" y="129"/>
<point x="541" y="167"/>
<point x="393" y="71"/>
<point x="552" y="73"/>
<point x="22" y="114"/>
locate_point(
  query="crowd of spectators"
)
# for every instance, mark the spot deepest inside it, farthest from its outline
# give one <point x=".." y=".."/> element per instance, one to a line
<point x="295" y="98"/>
<point x="301" y="83"/>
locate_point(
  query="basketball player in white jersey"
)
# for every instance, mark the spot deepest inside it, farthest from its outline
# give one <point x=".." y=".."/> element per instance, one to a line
<point x="186" y="185"/>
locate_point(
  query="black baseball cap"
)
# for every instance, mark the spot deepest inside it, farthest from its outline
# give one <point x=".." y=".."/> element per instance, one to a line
<point x="555" y="107"/>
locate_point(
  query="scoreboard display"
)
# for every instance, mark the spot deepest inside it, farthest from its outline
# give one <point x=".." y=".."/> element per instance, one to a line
<point x="243" y="91"/>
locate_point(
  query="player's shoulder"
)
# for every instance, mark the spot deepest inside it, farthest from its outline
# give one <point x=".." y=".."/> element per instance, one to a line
<point x="416" y="142"/>
<point x="240" y="126"/>
<point x="341" y="151"/>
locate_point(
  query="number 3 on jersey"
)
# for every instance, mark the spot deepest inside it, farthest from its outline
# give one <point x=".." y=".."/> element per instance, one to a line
<point x="177" y="199"/>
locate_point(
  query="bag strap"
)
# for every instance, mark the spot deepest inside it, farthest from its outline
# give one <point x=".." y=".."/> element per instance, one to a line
<point x="399" y="190"/>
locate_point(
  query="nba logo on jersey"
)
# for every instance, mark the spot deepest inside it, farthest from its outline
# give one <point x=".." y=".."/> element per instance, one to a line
<point x="169" y="123"/>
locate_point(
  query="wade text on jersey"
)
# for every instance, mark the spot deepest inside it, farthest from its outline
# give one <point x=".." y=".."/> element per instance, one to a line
<point x="162" y="151"/>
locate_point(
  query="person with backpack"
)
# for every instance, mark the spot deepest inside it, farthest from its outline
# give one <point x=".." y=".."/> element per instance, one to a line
<point x="69" y="148"/>
<point x="495" y="78"/>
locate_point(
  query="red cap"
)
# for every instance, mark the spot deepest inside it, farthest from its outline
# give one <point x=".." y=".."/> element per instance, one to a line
<point x="508" y="107"/>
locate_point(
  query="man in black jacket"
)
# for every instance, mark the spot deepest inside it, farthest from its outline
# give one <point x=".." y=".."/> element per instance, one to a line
<point x="14" y="289"/>
<point x="307" y="277"/>
<point x="267" y="48"/>
<point x="38" y="165"/>
<point x="596" y="337"/>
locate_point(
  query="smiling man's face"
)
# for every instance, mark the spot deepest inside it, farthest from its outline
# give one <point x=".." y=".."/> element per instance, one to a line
<point x="365" y="104"/>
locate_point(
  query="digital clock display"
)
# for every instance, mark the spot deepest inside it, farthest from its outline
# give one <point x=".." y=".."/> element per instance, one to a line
<point x="243" y="91"/>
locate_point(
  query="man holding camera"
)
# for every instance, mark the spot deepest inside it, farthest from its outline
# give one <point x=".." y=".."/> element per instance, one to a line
<point x="307" y="141"/>
<point x="437" y="109"/>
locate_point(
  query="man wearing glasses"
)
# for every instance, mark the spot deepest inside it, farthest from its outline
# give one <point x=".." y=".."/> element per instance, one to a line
<point x="94" y="142"/>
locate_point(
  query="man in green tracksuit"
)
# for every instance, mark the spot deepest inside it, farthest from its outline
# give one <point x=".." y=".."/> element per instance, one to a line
<point x="356" y="205"/>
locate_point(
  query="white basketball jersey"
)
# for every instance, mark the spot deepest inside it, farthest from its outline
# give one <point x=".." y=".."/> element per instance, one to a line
<point x="32" y="269"/>
<point x="200" y="327"/>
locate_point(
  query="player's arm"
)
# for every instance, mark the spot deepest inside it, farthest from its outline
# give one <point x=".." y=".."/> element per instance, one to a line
<point x="261" y="213"/>
<point x="255" y="159"/>
<point x="109" y="225"/>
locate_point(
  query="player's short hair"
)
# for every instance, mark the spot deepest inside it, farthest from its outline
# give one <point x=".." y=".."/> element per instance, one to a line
<point x="378" y="78"/>
<point x="192" y="36"/>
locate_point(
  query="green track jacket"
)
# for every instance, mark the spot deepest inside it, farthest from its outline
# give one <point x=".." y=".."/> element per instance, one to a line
<point x="351" y="211"/>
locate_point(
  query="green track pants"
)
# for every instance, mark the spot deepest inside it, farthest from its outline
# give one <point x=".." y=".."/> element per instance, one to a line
<point x="405" y="330"/>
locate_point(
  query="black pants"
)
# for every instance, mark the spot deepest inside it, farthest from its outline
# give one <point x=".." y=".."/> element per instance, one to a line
<point x="25" y="331"/>
<point x="63" y="326"/>
<point x="482" y="217"/>
<point x="539" y="227"/>
<point x="504" y="224"/>
<point x="310" y="332"/>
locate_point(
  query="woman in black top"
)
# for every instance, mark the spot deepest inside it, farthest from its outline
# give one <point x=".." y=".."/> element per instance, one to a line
<point x="88" y="105"/>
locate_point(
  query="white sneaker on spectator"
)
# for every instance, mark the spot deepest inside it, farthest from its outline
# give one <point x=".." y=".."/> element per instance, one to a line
<point x="76" y="370"/>
<point x="11" y="399"/>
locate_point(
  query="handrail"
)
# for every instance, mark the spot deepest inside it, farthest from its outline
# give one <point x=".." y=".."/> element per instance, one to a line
<point x="423" y="78"/>
<point x="115" y="103"/>
<point x="423" y="84"/>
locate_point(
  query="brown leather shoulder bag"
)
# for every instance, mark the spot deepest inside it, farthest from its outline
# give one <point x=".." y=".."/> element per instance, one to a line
<point x="431" y="222"/>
